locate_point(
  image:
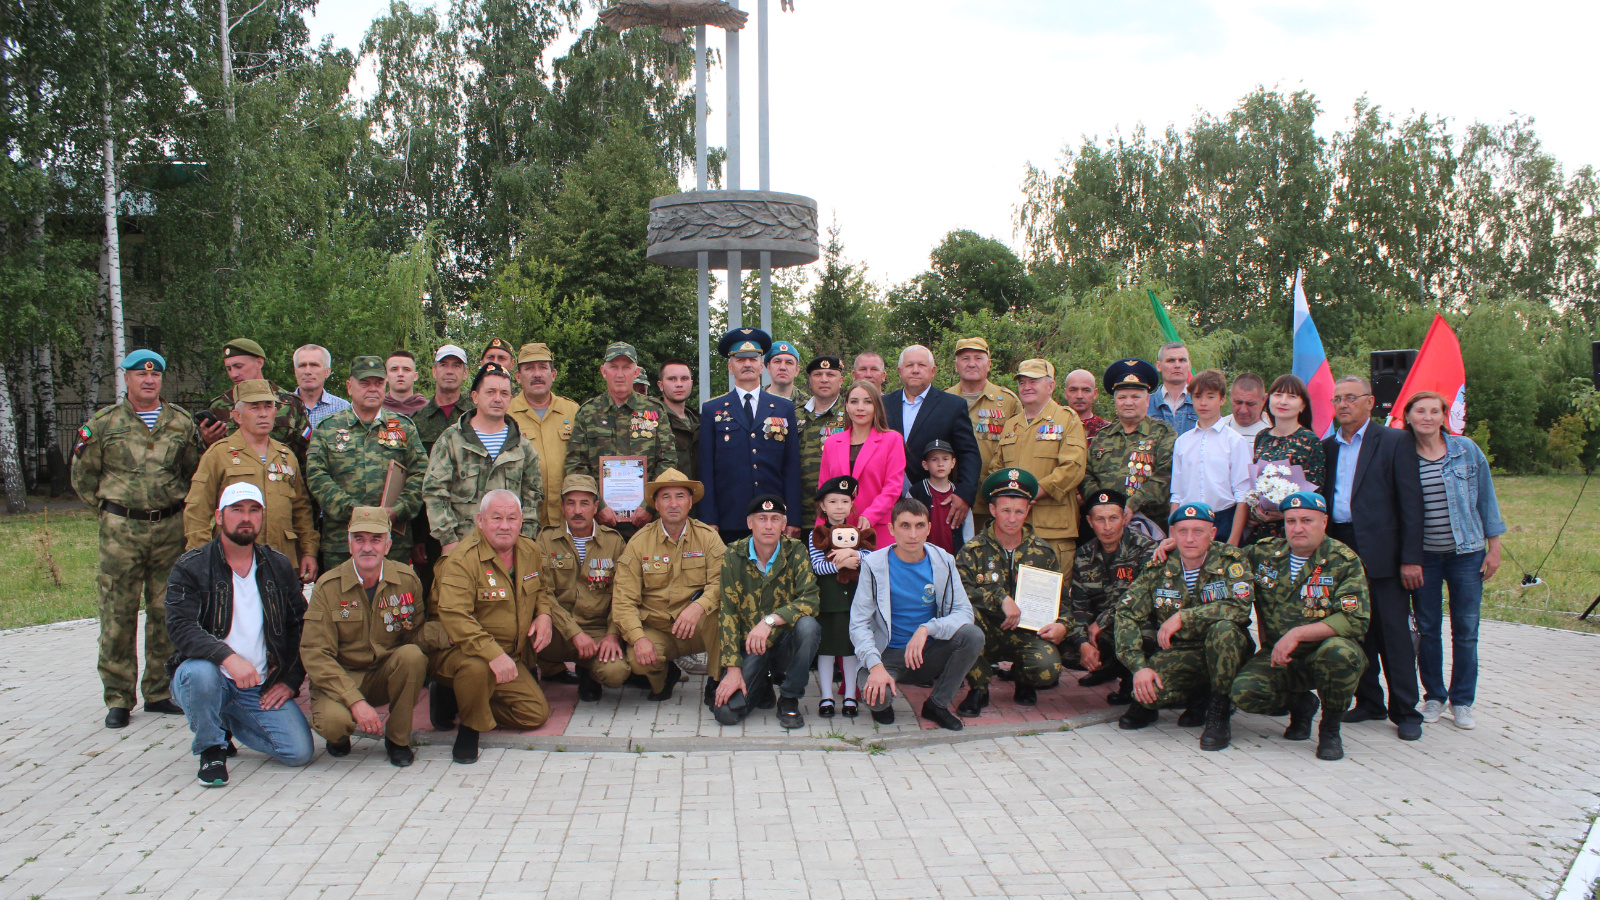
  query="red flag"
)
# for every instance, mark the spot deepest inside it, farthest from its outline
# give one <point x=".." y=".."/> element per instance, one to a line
<point x="1439" y="369"/>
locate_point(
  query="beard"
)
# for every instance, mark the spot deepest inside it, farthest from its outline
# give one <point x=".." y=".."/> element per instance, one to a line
<point x="242" y="535"/>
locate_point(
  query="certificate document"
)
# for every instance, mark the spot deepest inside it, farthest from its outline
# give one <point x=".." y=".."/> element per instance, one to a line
<point x="622" y="482"/>
<point x="1039" y="597"/>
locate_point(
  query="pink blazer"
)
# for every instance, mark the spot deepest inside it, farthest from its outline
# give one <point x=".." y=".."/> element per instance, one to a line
<point x="880" y="468"/>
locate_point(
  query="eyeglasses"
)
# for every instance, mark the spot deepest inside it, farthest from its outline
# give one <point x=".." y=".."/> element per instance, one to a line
<point x="1347" y="399"/>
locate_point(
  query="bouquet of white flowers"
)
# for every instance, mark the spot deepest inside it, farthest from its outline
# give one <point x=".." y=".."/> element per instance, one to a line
<point x="1275" y="480"/>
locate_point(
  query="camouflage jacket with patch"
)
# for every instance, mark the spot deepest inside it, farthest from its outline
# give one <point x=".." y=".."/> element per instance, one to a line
<point x="1137" y="464"/>
<point x="1331" y="589"/>
<point x="1223" y="592"/>
<point x="118" y="459"/>
<point x="989" y="573"/>
<point x="787" y="590"/>
<point x="814" y="429"/>
<point x="1100" y="579"/>
<point x="638" y="427"/>
<point x="346" y="467"/>
<point x="460" y="472"/>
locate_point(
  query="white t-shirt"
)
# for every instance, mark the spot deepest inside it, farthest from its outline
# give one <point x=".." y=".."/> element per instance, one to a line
<point x="244" y="635"/>
<point x="1249" y="431"/>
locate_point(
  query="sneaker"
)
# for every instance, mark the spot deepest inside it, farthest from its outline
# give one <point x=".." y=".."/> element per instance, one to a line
<point x="694" y="664"/>
<point x="1463" y="717"/>
<point x="214" y="766"/>
<point x="1431" y="711"/>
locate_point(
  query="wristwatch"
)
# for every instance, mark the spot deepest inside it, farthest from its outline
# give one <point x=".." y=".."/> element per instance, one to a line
<point x="770" y="621"/>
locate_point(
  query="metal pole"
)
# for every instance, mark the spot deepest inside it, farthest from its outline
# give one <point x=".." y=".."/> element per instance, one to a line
<point x="703" y="282"/>
<point x="735" y="275"/>
<point x="766" y="160"/>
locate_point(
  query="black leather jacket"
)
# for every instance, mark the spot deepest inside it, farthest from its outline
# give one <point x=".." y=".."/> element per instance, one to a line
<point x="200" y="611"/>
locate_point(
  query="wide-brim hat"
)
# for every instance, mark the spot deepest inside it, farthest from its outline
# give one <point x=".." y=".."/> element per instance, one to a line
<point x="673" y="478"/>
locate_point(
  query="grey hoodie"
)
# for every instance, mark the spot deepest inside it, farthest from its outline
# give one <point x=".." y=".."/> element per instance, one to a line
<point x="870" y="610"/>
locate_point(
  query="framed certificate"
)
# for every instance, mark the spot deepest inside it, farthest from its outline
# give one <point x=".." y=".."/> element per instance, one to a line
<point x="1039" y="596"/>
<point x="622" y="481"/>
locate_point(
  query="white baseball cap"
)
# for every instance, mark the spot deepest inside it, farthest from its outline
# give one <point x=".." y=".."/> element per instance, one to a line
<point x="451" y="350"/>
<point x="240" y="490"/>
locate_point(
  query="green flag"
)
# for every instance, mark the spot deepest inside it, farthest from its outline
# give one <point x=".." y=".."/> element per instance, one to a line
<point x="1162" y="318"/>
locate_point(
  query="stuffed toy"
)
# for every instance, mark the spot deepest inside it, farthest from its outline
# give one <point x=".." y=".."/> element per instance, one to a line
<point x="827" y="537"/>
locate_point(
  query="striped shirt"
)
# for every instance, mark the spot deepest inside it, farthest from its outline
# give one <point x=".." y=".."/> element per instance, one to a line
<point x="493" y="442"/>
<point x="582" y="543"/>
<point x="1296" y="563"/>
<point x="1436" y="534"/>
<point x="819" y="561"/>
<point x="150" y="417"/>
<point x="1191" y="577"/>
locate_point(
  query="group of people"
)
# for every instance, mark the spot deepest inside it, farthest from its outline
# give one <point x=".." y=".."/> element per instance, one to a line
<point x="474" y="544"/>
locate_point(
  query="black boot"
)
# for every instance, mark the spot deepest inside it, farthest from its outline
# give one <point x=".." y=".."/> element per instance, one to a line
<point x="1123" y="695"/>
<point x="1098" y="677"/>
<point x="1026" y="695"/>
<point x="1302" y="709"/>
<point x="339" y="749"/>
<point x="673" y="674"/>
<point x="399" y="756"/>
<point x="588" y="689"/>
<point x="1194" y="715"/>
<point x="1218" y="730"/>
<point x="972" y="705"/>
<point x="465" y="750"/>
<point x="1137" y="717"/>
<point x="441" y="706"/>
<point x="711" y="691"/>
<point x="1329" y="746"/>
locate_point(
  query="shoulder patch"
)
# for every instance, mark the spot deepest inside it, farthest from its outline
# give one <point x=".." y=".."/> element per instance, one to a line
<point x="1236" y="570"/>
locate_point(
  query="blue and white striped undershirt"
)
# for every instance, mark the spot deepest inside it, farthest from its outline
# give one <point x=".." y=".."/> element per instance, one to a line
<point x="582" y="543"/>
<point x="493" y="442"/>
<point x="1191" y="577"/>
<point x="1296" y="563"/>
<point x="150" y="418"/>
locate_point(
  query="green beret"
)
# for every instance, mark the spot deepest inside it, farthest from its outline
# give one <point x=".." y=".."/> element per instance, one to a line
<point x="243" y="347"/>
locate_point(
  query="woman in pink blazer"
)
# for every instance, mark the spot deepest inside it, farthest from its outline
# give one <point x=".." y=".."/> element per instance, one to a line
<point x="869" y="451"/>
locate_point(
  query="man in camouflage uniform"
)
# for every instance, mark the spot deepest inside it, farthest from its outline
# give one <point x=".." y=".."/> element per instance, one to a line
<point x="821" y="417"/>
<point x="1134" y="455"/>
<point x="676" y="384"/>
<point x="461" y="470"/>
<point x="581" y="561"/>
<point x="1102" y="570"/>
<point x="767" y="619"/>
<point x="1179" y="639"/>
<point x="620" y="422"/>
<point x="136" y="474"/>
<point x="1046" y="439"/>
<point x="988" y="565"/>
<point x="1314" y="610"/>
<point x="450" y="401"/>
<point x="244" y="360"/>
<point x="349" y="459"/>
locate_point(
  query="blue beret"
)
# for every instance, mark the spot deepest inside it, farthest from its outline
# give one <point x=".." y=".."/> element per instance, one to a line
<point x="1304" y="500"/>
<point x="144" y="359"/>
<point x="783" y="347"/>
<point x="1187" y="511"/>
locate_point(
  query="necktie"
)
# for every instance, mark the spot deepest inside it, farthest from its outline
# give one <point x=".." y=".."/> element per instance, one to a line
<point x="749" y="411"/>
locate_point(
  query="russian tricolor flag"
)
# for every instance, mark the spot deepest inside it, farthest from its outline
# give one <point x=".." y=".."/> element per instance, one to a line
<point x="1310" y="363"/>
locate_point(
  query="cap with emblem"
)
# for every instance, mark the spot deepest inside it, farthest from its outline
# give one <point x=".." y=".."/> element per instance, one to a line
<point x="1010" y="483"/>
<point x="824" y="363"/>
<point x="575" y="482"/>
<point x="641" y="379"/>
<point x="1105" y="498"/>
<point x="844" y="484"/>
<point x="937" y="446"/>
<point x="243" y="347"/>
<point x="1037" y="368"/>
<point x="254" y="391"/>
<point x="766" y="503"/>
<point x="1130" y="373"/>
<point x="366" y="367"/>
<point x="497" y="344"/>
<point x="1186" y="511"/>
<point x="238" y="492"/>
<point x="780" y="347"/>
<point x="620" y="349"/>
<point x="534" y="352"/>
<point x="673" y="478"/>
<point x="449" y="350"/>
<point x="1304" y="500"/>
<point x="972" y="343"/>
<point x="371" y="519"/>
<point x="147" y="360"/>
<point x="740" y="342"/>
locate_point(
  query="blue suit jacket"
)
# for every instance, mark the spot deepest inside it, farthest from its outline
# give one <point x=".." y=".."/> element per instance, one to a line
<point x="740" y="460"/>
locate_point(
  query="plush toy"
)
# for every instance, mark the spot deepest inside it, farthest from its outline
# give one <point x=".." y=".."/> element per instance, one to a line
<point x="827" y="537"/>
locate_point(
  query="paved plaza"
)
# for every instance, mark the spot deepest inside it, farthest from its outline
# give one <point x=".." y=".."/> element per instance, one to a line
<point x="1010" y="808"/>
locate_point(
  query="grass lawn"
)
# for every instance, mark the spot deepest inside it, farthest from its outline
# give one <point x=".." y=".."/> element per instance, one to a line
<point x="1533" y="508"/>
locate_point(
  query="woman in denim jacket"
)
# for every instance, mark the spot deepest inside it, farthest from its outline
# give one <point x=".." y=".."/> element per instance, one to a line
<point x="1461" y="531"/>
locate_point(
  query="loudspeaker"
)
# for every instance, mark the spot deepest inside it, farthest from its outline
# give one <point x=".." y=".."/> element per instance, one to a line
<point x="1389" y="371"/>
<point x="1595" y="368"/>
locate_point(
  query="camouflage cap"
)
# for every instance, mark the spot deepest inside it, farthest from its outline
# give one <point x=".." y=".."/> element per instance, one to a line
<point x="620" y="348"/>
<point x="243" y="347"/>
<point x="576" y="482"/>
<point x="370" y="519"/>
<point x="496" y="344"/>
<point x="366" y="367"/>
<point x="254" y="391"/>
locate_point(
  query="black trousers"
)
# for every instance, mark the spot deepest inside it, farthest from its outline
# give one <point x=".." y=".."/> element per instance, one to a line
<point x="1387" y="644"/>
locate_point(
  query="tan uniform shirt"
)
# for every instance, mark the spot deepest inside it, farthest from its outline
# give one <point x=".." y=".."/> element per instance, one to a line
<point x="287" y="526"/>
<point x="582" y="588"/>
<point x="486" y="610"/>
<point x="549" y="436"/>
<point x="989" y="414"/>
<point x="1052" y="448"/>
<point x="347" y="632"/>
<point x="656" y="576"/>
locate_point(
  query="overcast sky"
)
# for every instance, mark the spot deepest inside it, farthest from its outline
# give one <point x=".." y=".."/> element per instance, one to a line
<point x="906" y="120"/>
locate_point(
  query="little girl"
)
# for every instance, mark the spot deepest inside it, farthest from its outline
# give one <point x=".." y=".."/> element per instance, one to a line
<point x="837" y="570"/>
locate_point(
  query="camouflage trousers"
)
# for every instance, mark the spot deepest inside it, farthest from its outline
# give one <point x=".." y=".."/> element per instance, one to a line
<point x="1332" y="669"/>
<point x="1035" y="661"/>
<point x="135" y="559"/>
<point x="1188" y="668"/>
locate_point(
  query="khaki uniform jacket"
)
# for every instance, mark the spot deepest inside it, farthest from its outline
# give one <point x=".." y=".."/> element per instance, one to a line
<point x="460" y="472"/>
<point x="345" y="632"/>
<point x="118" y="459"/>
<point x="1051" y="447"/>
<point x="549" y="437"/>
<point x="287" y="527"/>
<point x="485" y="610"/>
<point x="657" y="577"/>
<point x="582" y="589"/>
<point x="989" y="414"/>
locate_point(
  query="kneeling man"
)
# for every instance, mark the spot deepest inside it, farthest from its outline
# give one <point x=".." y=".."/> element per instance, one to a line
<point x="769" y="600"/>
<point x="1102" y="570"/>
<point x="1314" y="611"/>
<point x="363" y="644"/>
<point x="911" y="621"/>
<point x="1181" y="626"/>
<point x="494" y="603"/>
<point x="582" y="560"/>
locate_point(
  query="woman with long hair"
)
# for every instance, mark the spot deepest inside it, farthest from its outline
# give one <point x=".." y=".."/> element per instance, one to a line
<point x="870" y="452"/>
<point x="1290" y="438"/>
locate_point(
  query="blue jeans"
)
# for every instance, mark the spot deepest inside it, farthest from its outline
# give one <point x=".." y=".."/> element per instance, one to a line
<point x="789" y="657"/>
<point x="213" y="704"/>
<point x="1463" y="572"/>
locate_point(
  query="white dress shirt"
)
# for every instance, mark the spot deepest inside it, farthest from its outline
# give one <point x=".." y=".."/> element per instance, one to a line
<point x="754" y="397"/>
<point x="1211" y="465"/>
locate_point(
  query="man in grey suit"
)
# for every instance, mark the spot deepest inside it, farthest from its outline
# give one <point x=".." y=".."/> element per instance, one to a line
<point x="922" y="414"/>
<point x="1374" y="492"/>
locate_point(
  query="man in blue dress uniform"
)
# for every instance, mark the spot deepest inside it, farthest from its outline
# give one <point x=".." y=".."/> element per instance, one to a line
<point x="749" y="442"/>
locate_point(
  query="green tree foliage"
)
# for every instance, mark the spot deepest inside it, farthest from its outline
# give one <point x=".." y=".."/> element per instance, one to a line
<point x="519" y="301"/>
<point x="841" y="303"/>
<point x="969" y="274"/>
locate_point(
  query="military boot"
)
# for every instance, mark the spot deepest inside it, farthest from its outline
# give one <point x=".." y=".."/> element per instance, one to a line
<point x="1137" y="716"/>
<point x="1329" y="746"/>
<point x="1194" y="714"/>
<point x="1302" y="709"/>
<point x="1218" y="730"/>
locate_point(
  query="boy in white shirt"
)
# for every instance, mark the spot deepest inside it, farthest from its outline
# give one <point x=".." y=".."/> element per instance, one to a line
<point x="1211" y="462"/>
